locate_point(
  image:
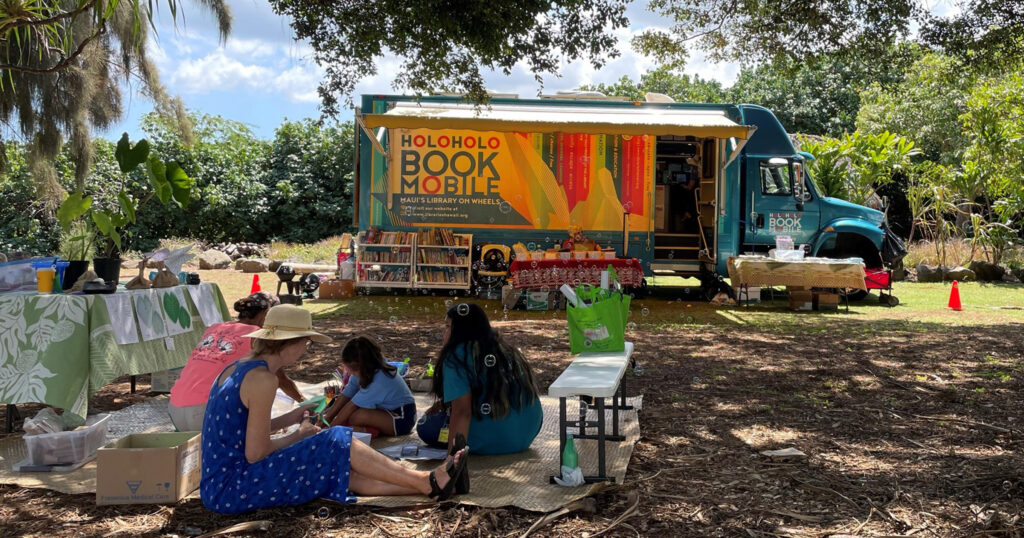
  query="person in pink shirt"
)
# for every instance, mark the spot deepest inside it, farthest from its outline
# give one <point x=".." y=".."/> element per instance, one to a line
<point x="221" y="345"/>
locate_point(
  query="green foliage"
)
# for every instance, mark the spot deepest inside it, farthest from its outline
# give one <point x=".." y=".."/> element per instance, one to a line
<point x="226" y="162"/>
<point x="765" y="30"/>
<point x="62" y="71"/>
<point x="680" y="87"/>
<point x="26" y="223"/>
<point x="310" y="180"/>
<point x="985" y="34"/>
<point x="853" y="166"/>
<point x="925" y="106"/>
<point x="447" y="45"/>
<point x="817" y="95"/>
<point x="110" y="221"/>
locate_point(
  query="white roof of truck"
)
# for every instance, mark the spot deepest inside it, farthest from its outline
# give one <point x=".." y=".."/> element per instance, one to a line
<point x="561" y="119"/>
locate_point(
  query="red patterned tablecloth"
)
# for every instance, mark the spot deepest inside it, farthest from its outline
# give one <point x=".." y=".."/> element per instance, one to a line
<point x="552" y="274"/>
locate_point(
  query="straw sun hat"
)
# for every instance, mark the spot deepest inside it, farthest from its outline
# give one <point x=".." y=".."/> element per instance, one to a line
<point x="288" y="321"/>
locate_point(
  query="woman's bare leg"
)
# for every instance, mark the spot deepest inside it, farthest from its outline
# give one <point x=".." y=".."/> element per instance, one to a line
<point x="364" y="485"/>
<point x="374" y="418"/>
<point x="374" y="465"/>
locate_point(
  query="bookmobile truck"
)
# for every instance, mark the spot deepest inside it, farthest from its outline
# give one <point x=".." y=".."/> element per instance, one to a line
<point x="679" y="186"/>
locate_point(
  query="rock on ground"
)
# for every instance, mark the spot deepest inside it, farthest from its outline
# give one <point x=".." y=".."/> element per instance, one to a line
<point x="254" y="265"/>
<point x="961" y="274"/>
<point x="214" y="259"/>
<point x="988" y="272"/>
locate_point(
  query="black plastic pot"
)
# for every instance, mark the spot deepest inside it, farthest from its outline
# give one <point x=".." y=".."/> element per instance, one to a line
<point x="74" y="270"/>
<point x="109" y="269"/>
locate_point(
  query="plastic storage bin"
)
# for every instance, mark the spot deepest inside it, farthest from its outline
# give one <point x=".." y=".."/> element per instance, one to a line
<point x="69" y="446"/>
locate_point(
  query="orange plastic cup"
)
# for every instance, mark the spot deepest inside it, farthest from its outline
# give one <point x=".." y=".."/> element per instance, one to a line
<point x="44" y="279"/>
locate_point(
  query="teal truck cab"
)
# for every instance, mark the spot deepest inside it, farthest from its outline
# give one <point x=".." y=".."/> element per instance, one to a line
<point x="682" y="187"/>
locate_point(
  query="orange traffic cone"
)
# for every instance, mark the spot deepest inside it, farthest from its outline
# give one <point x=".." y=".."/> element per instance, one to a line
<point x="954" y="297"/>
<point x="256" y="287"/>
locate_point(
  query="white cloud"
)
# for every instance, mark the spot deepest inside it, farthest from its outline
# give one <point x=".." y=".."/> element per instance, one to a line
<point x="251" y="47"/>
<point x="298" y="84"/>
<point x="217" y="71"/>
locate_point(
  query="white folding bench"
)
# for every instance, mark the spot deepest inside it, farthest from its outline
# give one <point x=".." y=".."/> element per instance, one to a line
<point x="594" y="377"/>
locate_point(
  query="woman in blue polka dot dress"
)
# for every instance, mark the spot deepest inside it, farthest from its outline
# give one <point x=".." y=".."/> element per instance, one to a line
<point x="244" y="468"/>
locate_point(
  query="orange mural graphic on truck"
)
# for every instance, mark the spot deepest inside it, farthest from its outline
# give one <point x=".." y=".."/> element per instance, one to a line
<point x="516" y="180"/>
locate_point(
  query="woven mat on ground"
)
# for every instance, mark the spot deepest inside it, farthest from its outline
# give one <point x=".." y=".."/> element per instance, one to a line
<point x="511" y="480"/>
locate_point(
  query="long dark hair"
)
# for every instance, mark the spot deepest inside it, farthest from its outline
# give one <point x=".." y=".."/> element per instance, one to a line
<point x="498" y="374"/>
<point x="365" y="354"/>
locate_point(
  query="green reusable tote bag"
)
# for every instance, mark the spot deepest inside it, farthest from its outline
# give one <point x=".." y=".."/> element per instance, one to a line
<point x="601" y="325"/>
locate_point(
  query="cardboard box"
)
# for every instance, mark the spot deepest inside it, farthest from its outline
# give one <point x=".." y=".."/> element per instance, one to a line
<point x="147" y="468"/>
<point x="163" y="381"/>
<point x="826" y="301"/>
<point x="801" y="300"/>
<point x="337" y="289"/>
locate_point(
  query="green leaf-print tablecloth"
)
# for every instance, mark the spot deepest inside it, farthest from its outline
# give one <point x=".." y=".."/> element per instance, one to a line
<point x="60" y="349"/>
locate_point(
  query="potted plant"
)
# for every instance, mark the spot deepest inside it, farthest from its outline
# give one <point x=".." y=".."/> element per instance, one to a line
<point x="75" y="248"/>
<point x="168" y="183"/>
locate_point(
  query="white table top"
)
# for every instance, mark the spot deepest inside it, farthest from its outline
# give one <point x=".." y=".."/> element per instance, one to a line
<point x="593" y="374"/>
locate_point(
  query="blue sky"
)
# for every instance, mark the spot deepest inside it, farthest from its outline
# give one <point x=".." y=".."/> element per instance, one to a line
<point x="262" y="76"/>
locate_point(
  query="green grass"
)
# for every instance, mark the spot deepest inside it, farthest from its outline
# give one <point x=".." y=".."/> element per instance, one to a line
<point x="324" y="251"/>
<point x="922" y="308"/>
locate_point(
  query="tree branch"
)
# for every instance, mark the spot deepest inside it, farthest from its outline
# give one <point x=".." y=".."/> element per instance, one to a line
<point x="43" y="22"/>
<point x="63" y="64"/>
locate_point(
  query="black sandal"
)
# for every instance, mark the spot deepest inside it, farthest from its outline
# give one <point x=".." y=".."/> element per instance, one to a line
<point x="462" y="484"/>
<point x="454" y="470"/>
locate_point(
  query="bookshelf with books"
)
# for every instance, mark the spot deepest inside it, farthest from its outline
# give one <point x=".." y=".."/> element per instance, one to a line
<point x="384" y="259"/>
<point x="444" y="260"/>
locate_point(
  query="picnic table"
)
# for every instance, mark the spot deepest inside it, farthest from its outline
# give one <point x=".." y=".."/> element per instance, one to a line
<point x="593" y="377"/>
<point x="551" y="274"/>
<point x="59" y="349"/>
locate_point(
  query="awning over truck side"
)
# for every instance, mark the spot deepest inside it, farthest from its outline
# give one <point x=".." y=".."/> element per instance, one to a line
<point x="560" y="119"/>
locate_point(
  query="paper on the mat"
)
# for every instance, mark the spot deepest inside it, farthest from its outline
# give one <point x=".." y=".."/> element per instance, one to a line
<point x="122" y="320"/>
<point x="175" y="310"/>
<point x="414" y="452"/>
<point x="202" y="297"/>
<point x="149" y="313"/>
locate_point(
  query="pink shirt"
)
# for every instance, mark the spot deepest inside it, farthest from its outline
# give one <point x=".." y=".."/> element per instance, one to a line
<point x="222" y="344"/>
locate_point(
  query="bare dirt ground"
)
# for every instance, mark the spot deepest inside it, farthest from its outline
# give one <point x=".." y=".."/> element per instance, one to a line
<point x="909" y="429"/>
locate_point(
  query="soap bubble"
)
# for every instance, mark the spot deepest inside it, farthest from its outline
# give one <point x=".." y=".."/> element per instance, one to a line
<point x="448" y="303"/>
<point x="485" y="409"/>
<point x="533" y="264"/>
<point x="463" y="309"/>
<point x="587" y="343"/>
<point x="492" y="220"/>
<point x="645" y="311"/>
<point x="631" y="326"/>
<point x="505" y="207"/>
<point x="393" y="319"/>
<point x="531" y="246"/>
<point x="490" y="361"/>
<point x="547" y="239"/>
